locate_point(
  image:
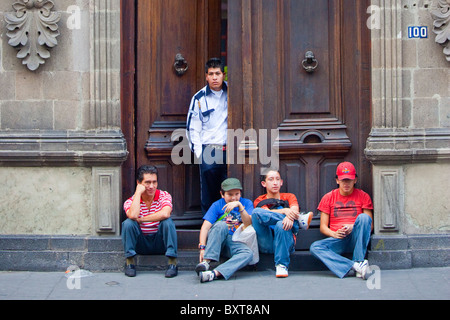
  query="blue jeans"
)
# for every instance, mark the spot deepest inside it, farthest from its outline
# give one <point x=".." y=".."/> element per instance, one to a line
<point x="329" y="250"/>
<point x="162" y="242"/>
<point x="211" y="176"/>
<point x="220" y="241"/>
<point x="272" y="238"/>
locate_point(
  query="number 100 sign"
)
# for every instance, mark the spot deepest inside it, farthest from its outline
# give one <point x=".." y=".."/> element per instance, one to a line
<point x="417" y="32"/>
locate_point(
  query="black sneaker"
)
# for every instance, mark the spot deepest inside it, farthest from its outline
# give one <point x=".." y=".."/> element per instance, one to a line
<point x="172" y="271"/>
<point x="130" y="270"/>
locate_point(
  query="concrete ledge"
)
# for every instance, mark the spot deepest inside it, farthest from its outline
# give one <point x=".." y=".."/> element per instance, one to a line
<point x="412" y="251"/>
<point x="405" y="145"/>
<point x="105" y="254"/>
<point x="57" y="253"/>
<point x="62" y="148"/>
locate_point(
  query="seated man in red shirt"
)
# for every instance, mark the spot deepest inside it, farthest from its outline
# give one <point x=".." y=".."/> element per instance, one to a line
<point x="346" y="219"/>
<point x="149" y="228"/>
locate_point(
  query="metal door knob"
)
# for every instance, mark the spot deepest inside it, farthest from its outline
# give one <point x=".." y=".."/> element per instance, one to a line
<point x="310" y="62"/>
<point x="181" y="66"/>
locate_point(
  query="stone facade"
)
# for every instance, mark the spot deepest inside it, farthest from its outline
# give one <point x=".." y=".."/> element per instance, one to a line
<point x="409" y="145"/>
<point x="61" y="146"/>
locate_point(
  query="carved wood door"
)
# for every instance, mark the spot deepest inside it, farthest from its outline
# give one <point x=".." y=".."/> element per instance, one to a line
<point x="303" y="68"/>
<point x="322" y="114"/>
<point x="175" y="38"/>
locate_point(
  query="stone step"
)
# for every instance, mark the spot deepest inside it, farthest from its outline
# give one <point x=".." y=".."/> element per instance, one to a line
<point x="49" y="261"/>
<point x="105" y="254"/>
<point x="57" y="253"/>
<point x="187" y="240"/>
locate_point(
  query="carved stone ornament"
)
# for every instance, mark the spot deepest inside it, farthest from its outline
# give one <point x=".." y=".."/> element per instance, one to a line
<point x="441" y="25"/>
<point x="33" y="29"/>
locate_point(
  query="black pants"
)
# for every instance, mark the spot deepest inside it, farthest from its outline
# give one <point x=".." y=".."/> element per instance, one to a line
<point x="213" y="170"/>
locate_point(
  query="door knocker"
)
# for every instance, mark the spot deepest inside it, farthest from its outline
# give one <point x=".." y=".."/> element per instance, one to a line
<point x="310" y="62"/>
<point x="180" y="65"/>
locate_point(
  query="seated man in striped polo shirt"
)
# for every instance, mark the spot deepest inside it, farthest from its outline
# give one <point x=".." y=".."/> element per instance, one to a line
<point x="149" y="228"/>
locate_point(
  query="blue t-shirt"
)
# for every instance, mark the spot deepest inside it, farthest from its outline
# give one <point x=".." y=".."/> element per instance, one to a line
<point x="233" y="219"/>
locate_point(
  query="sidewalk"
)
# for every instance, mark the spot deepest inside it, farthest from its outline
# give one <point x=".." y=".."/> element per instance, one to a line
<point x="422" y="284"/>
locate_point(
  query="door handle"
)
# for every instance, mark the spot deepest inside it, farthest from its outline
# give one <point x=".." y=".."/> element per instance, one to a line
<point x="180" y="65"/>
<point x="310" y="62"/>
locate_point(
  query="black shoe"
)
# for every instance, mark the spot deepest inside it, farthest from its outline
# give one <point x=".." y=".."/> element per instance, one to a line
<point x="130" y="270"/>
<point x="172" y="271"/>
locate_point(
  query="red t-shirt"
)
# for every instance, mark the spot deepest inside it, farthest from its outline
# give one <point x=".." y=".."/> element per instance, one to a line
<point x="162" y="199"/>
<point x="344" y="209"/>
<point x="283" y="196"/>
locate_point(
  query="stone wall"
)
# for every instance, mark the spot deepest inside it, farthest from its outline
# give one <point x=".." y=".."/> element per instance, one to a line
<point x="56" y="96"/>
<point x="61" y="146"/>
<point x="44" y="201"/>
<point x="410" y="140"/>
<point x="409" y="145"/>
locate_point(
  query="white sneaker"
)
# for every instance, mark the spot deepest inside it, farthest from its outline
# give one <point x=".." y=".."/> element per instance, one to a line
<point x="282" y="271"/>
<point x="305" y="219"/>
<point x="202" y="266"/>
<point x="207" y="276"/>
<point x="361" y="269"/>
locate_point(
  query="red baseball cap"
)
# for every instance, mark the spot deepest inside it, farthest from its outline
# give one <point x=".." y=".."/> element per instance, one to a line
<point x="346" y="170"/>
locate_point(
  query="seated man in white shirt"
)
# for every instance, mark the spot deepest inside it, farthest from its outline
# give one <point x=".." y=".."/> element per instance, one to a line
<point x="207" y="124"/>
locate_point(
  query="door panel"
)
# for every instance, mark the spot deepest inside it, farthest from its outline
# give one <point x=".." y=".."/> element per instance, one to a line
<point x="308" y="26"/>
<point x="321" y="116"/>
<point x="166" y="30"/>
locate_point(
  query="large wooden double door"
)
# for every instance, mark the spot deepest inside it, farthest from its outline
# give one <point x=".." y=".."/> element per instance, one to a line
<point x="301" y="67"/>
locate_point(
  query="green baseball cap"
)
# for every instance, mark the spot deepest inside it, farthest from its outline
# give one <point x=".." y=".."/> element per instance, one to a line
<point x="230" y="184"/>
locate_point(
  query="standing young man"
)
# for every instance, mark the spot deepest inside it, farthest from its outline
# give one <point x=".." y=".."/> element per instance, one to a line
<point x="149" y="228"/>
<point x="207" y="124"/>
<point x="276" y="220"/>
<point x="223" y="218"/>
<point x="346" y="219"/>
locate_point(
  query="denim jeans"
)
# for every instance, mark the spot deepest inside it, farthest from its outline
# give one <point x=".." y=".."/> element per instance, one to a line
<point x="211" y="176"/>
<point x="329" y="250"/>
<point x="220" y="242"/>
<point x="272" y="238"/>
<point x="162" y="242"/>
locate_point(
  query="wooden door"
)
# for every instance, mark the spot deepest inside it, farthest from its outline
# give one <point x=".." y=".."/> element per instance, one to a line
<point x="323" y="117"/>
<point x="174" y="39"/>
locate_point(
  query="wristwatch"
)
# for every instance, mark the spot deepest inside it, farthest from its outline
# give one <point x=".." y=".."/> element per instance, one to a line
<point x="201" y="246"/>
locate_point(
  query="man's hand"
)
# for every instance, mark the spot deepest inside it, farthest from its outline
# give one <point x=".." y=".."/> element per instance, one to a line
<point x="140" y="189"/>
<point x="134" y="211"/>
<point x="343" y="232"/>
<point x="231" y="205"/>
<point x="287" y="223"/>
<point x="292" y="214"/>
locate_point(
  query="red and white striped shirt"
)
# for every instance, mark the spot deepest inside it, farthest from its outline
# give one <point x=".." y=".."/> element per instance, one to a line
<point x="162" y="199"/>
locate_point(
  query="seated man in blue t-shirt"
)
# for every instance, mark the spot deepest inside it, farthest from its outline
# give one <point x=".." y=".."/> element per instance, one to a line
<point x="220" y="222"/>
